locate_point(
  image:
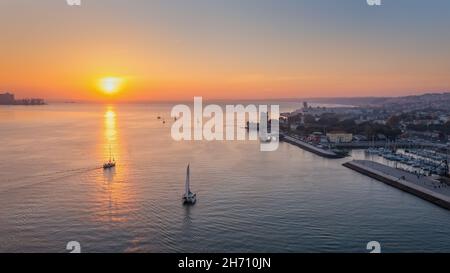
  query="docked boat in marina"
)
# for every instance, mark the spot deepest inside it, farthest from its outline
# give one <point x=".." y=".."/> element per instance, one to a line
<point x="417" y="161"/>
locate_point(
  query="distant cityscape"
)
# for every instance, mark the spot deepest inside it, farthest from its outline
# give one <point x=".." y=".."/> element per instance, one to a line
<point x="9" y="99"/>
<point x="411" y="134"/>
<point x="412" y="118"/>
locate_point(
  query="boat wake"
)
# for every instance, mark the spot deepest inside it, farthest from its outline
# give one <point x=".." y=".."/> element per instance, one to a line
<point x="45" y="178"/>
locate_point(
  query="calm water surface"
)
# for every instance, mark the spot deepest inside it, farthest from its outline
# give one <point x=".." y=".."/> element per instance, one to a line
<point x="52" y="191"/>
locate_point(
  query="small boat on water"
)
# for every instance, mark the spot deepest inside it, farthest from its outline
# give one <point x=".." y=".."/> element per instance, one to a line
<point x="189" y="198"/>
<point x="111" y="163"/>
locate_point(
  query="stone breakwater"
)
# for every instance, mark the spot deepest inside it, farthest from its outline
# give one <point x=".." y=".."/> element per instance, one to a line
<point x="424" y="187"/>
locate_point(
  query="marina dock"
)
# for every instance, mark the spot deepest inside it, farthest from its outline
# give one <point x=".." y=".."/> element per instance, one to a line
<point x="421" y="186"/>
<point x="311" y="148"/>
<point x="384" y="144"/>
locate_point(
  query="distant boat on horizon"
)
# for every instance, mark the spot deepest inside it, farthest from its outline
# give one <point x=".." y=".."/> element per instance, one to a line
<point x="189" y="198"/>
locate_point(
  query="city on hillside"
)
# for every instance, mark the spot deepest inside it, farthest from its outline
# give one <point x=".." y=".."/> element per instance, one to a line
<point x="412" y="131"/>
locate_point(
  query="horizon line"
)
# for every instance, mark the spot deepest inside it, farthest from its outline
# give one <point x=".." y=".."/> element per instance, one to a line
<point x="137" y="101"/>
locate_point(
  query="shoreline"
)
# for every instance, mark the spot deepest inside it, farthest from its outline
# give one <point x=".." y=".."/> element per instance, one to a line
<point x="311" y="148"/>
<point x="403" y="180"/>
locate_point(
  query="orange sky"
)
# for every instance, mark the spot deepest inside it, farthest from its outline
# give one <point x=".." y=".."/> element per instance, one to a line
<point x="222" y="51"/>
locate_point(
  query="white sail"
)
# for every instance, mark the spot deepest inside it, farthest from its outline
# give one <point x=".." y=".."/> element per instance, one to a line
<point x="187" y="181"/>
<point x="189" y="197"/>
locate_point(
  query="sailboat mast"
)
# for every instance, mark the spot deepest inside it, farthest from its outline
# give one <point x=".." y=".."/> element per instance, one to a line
<point x="188" y="180"/>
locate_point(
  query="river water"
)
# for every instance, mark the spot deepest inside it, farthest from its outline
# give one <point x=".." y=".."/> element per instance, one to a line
<point x="52" y="191"/>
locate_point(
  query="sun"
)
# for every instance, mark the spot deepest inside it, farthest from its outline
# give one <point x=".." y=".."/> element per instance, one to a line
<point x="111" y="85"/>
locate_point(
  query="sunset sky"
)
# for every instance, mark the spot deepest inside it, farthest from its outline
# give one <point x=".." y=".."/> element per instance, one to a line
<point x="228" y="49"/>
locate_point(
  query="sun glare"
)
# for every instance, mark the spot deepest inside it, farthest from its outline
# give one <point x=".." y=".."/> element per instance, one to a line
<point x="110" y="85"/>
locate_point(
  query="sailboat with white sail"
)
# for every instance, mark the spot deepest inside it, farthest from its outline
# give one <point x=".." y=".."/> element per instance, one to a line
<point x="189" y="198"/>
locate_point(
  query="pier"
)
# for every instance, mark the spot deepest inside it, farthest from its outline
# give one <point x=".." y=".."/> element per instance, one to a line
<point x="421" y="186"/>
<point x="310" y="148"/>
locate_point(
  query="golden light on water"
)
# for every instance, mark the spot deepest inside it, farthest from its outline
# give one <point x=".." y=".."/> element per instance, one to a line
<point x="115" y="195"/>
<point x="110" y="126"/>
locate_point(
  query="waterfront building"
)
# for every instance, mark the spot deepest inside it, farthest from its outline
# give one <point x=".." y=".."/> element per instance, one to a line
<point x="339" y="137"/>
<point x="7" y="99"/>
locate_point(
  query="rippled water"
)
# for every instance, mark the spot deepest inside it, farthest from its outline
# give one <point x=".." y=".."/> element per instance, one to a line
<point x="52" y="191"/>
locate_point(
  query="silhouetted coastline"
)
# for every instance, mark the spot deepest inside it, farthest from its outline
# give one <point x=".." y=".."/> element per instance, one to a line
<point x="9" y="99"/>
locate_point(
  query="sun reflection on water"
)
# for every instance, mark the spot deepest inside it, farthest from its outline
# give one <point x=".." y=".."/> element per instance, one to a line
<point x="113" y="190"/>
<point x="110" y="130"/>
